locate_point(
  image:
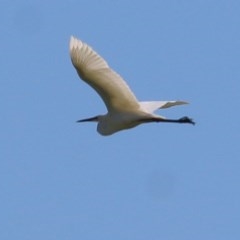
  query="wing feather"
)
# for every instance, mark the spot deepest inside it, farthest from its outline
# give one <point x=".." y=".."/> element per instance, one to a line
<point x="94" y="70"/>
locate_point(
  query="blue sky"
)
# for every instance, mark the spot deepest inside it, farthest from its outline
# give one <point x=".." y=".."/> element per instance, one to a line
<point x="62" y="180"/>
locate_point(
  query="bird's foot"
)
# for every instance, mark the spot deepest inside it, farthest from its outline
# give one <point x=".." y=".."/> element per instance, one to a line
<point x="186" y="120"/>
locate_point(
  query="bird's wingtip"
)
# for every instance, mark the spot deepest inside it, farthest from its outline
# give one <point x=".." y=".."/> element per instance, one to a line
<point x="72" y="38"/>
<point x="71" y="43"/>
<point x="74" y="42"/>
<point x="184" y="102"/>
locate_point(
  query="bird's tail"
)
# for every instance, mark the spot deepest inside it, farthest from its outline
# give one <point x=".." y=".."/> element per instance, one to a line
<point x="151" y="107"/>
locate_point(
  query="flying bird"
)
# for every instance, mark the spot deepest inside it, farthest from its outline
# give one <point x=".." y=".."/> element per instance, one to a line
<point x="124" y="110"/>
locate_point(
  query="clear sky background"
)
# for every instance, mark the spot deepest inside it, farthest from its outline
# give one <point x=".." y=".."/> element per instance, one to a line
<point x="62" y="180"/>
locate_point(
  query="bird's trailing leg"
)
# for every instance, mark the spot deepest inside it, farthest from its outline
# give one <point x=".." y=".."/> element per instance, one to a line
<point x="186" y="120"/>
<point x="180" y="120"/>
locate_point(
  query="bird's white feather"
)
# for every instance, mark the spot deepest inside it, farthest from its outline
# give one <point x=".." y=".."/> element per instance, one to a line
<point x="94" y="70"/>
<point x="151" y="107"/>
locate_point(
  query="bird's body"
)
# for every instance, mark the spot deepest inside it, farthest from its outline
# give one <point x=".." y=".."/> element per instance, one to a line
<point x="113" y="122"/>
<point x="124" y="110"/>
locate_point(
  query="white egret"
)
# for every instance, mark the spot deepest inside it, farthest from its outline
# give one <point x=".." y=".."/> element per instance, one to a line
<point x="124" y="110"/>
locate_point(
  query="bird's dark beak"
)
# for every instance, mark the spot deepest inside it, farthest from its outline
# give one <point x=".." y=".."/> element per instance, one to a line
<point x="92" y="119"/>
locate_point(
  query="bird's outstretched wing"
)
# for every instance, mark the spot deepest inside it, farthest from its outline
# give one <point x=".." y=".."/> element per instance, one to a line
<point x="94" y="70"/>
<point x="152" y="106"/>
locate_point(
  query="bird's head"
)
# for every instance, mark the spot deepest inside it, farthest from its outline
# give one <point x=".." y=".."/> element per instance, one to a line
<point x="105" y="124"/>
